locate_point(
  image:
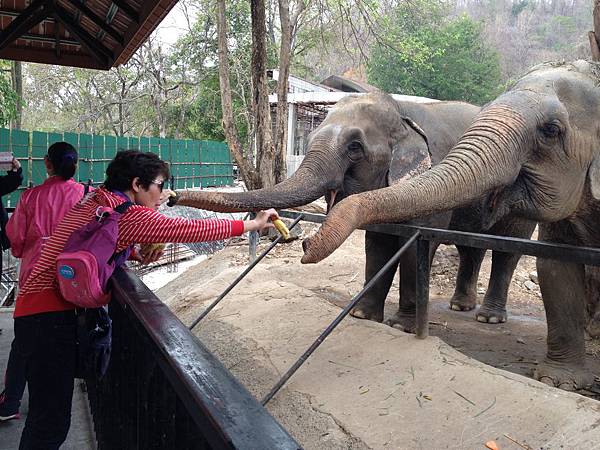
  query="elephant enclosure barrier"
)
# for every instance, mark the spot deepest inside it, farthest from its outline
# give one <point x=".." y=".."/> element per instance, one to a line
<point x="421" y="237"/>
<point x="568" y="253"/>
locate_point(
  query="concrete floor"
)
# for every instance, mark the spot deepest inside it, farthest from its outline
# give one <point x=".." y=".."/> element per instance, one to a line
<point x="81" y="433"/>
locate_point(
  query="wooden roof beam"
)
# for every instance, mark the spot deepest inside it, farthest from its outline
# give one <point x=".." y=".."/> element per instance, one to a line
<point x="97" y="20"/>
<point x="57" y="39"/>
<point x="100" y="52"/>
<point x="12" y="13"/>
<point x="128" y="10"/>
<point x="30" y="17"/>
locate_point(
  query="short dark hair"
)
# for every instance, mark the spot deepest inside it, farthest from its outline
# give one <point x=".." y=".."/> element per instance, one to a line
<point x="129" y="164"/>
<point x="63" y="157"/>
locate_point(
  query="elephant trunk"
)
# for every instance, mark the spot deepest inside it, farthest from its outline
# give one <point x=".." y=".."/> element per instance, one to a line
<point x="307" y="184"/>
<point x="297" y="190"/>
<point x="485" y="159"/>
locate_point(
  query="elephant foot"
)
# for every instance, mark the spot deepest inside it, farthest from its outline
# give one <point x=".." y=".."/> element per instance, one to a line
<point x="461" y="302"/>
<point x="593" y="327"/>
<point x="403" y="321"/>
<point x="367" y="311"/>
<point x="489" y="314"/>
<point x="569" y="377"/>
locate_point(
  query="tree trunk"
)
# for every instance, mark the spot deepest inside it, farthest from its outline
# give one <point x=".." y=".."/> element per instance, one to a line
<point x="594" y="36"/>
<point x="288" y="28"/>
<point x="17" y="84"/>
<point x="265" y="152"/>
<point x="247" y="172"/>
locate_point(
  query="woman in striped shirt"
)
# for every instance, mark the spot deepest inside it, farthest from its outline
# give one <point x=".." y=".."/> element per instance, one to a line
<point x="45" y="323"/>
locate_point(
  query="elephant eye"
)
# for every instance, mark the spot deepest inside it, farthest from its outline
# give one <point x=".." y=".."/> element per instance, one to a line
<point x="355" y="151"/>
<point x="550" y="130"/>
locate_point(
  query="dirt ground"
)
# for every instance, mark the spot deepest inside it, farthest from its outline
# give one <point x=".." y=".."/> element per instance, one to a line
<point x="515" y="346"/>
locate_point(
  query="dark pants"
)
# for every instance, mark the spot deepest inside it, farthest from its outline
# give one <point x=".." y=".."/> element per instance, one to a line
<point x="14" y="380"/>
<point x="48" y="343"/>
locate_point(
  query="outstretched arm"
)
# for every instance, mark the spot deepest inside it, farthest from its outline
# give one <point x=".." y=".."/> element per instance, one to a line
<point x="142" y="225"/>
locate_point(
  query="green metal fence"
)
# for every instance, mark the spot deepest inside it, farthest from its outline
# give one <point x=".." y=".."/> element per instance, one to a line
<point x="193" y="163"/>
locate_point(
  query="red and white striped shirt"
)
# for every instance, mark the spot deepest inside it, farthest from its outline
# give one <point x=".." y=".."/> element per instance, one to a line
<point x="139" y="225"/>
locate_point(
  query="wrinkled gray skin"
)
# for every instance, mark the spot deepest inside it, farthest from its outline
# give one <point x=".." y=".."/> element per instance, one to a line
<point x="366" y="143"/>
<point x="534" y="153"/>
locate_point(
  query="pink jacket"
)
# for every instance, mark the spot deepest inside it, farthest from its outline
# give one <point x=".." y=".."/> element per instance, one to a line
<point x="36" y="216"/>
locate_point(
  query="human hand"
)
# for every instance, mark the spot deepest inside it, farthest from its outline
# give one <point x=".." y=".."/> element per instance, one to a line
<point x="150" y="253"/>
<point x="261" y="221"/>
<point x="166" y="195"/>
<point x="173" y="198"/>
<point x="16" y="165"/>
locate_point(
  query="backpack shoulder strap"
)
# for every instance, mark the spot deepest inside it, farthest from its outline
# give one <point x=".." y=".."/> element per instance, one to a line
<point x="123" y="207"/>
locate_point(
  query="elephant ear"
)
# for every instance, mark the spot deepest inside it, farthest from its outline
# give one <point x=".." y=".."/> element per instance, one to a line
<point x="410" y="153"/>
<point x="594" y="177"/>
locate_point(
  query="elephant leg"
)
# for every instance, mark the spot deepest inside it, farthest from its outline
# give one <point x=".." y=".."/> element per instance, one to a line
<point x="379" y="248"/>
<point x="405" y="318"/>
<point x="592" y="286"/>
<point x="493" y="308"/>
<point x="465" y="292"/>
<point x="563" y="291"/>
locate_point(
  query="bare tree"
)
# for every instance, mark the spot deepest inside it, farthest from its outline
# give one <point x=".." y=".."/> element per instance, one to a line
<point x="594" y="36"/>
<point x="289" y="26"/>
<point x="17" y="84"/>
<point x="247" y="170"/>
<point x="265" y="152"/>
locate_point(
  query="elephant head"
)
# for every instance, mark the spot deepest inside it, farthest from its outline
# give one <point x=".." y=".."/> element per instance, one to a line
<point x="364" y="143"/>
<point x="533" y="152"/>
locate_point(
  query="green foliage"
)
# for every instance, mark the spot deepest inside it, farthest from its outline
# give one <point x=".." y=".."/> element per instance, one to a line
<point x="518" y="7"/>
<point x="8" y="97"/>
<point x="199" y="49"/>
<point x="558" y="33"/>
<point x="428" y="56"/>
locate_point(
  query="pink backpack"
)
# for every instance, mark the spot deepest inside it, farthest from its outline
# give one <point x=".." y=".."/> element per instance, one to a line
<point x="88" y="259"/>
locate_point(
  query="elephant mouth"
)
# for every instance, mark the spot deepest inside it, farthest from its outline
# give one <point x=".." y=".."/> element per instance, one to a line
<point x="491" y="209"/>
<point x="334" y="196"/>
<point x="331" y="197"/>
<point x="493" y="200"/>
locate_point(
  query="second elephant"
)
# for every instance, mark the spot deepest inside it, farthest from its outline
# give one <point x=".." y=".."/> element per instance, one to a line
<point x="369" y="142"/>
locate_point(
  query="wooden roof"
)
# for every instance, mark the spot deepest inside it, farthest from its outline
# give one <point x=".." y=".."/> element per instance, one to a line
<point x="94" y="34"/>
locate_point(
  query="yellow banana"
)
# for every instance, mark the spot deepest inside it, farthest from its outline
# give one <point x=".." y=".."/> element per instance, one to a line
<point x="283" y="230"/>
<point x="146" y="249"/>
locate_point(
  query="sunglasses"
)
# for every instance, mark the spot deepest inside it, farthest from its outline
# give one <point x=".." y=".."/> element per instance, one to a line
<point x="159" y="183"/>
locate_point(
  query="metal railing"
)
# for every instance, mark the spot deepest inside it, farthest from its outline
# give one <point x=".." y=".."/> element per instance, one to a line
<point x="582" y="255"/>
<point x="165" y="390"/>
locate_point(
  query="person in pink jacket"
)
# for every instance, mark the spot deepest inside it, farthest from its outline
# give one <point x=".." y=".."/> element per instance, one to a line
<point x="36" y="216"/>
<point x="41" y="208"/>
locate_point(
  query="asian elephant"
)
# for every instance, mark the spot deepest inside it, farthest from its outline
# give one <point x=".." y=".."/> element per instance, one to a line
<point x="534" y="152"/>
<point x="368" y="142"/>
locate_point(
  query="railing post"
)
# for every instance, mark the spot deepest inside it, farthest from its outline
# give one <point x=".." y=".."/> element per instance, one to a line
<point x="252" y="242"/>
<point x="422" y="319"/>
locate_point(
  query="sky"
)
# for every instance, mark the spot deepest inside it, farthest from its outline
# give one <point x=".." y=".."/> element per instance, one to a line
<point x="175" y="24"/>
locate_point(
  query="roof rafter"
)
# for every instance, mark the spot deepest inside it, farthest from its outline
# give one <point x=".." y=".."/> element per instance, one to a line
<point x="128" y="10"/>
<point x="97" y="20"/>
<point x="30" y="17"/>
<point x="102" y="54"/>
